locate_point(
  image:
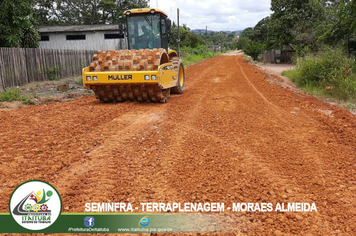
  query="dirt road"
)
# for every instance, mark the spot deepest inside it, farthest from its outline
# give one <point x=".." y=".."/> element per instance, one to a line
<point x="231" y="137"/>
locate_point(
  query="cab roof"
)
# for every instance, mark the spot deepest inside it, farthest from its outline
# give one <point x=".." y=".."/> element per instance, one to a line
<point x="145" y="10"/>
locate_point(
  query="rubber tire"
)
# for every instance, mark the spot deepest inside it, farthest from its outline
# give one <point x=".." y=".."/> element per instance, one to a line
<point x="179" y="89"/>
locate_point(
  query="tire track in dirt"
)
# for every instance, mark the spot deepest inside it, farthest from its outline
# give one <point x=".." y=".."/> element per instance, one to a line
<point x="118" y="132"/>
<point x="231" y="137"/>
<point x="306" y="150"/>
<point x="278" y="109"/>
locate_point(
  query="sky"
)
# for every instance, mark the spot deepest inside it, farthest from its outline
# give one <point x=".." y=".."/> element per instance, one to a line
<point x="226" y="15"/>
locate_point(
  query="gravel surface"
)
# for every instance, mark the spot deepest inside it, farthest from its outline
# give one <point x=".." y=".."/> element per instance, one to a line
<point x="231" y="137"/>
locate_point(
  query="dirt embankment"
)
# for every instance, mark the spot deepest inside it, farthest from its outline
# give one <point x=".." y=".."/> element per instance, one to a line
<point x="231" y="137"/>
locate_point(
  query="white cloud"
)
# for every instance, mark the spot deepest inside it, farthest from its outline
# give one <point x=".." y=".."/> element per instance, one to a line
<point x="217" y="15"/>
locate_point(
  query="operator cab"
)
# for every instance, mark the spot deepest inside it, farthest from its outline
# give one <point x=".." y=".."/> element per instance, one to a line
<point x="147" y="28"/>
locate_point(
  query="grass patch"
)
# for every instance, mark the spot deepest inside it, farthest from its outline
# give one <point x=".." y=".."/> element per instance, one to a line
<point x="14" y="95"/>
<point x="350" y="106"/>
<point x="190" y="59"/>
<point x="330" y="73"/>
<point x="52" y="73"/>
<point x="292" y="74"/>
<point x="79" y="81"/>
<point x="11" y="95"/>
<point x="195" y="55"/>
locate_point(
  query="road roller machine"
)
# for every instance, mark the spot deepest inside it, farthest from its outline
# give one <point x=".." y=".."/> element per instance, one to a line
<point x="147" y="71"/>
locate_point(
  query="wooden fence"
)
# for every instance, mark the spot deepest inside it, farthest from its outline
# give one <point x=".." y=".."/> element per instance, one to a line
<point x="277" y="56"/>
<point x="19" y="66"/>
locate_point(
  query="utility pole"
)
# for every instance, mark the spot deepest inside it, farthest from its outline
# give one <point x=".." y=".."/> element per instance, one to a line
<point x="178" y="32"/>
<point x="220" y="41"/>
<point x="206" y="38"/>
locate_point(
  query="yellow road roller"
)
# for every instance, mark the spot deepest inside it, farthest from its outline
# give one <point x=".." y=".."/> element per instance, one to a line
<point x="147" y="71"/>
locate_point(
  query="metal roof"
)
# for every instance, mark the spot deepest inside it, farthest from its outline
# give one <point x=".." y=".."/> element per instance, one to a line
<point x="77" y="28"/>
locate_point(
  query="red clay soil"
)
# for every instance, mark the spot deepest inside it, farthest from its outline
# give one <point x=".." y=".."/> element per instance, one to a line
<point x="231" y="137"/>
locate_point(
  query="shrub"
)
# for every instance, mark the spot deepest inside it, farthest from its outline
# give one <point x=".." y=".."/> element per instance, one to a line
<point x="253" y="49"/>
<point x="10" y="95"/>
<point x="330" y="70"/>
<point x="79" y="81"/>
<point x="13" y="95"/>
<point x="195" y="55"/>
<point x="52" y="73"/>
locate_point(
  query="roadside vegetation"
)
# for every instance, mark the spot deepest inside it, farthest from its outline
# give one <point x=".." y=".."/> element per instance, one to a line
<point x="196" y="47"/>
<point x="194" y="55"/>
<point x="328" y="73"/>
<point x="11" y="95"/>
<point x="321" y="33"/>
<point x="45" y="92"/>
<point x="323" y="39"/>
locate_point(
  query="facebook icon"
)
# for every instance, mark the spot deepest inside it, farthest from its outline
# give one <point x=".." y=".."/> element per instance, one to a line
<point x="89" y="221"/>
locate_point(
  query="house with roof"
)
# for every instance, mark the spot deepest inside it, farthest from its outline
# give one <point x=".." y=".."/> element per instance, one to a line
<point x="82" y="37"/>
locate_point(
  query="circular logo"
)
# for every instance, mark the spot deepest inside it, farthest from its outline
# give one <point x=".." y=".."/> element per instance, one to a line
<point x="35" y="205"/>
<point x="144" y="221"/>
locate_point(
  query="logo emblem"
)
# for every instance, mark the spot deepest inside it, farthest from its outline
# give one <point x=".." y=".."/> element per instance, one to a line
<point x="35" y="205"/>
<point x="144" y="221"/>
<point x="89" y="221"/>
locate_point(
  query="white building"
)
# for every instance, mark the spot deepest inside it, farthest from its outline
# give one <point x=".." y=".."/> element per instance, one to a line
<point x="82" y="37"/>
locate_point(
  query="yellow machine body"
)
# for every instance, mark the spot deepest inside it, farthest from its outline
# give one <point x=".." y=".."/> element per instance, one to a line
<point x="165" y="77"/>
<point x="141" y="73"/>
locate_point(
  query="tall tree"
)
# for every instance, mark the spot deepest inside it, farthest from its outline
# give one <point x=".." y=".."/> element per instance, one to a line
<point x="83" y="12"/>
<point x="246" y="36"/>
<point x="187" y="37"/>
<point x="347" y="14"/>
<point x="295" y="22"/>
<point x="340" y="28"/>
<point x="16" y="29"/>
<point x="261" y="30"/>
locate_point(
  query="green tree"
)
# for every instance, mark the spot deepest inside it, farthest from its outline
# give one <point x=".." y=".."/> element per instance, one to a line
<point x="261" y="30"/>
<point x="347" y="22"/>
<point x="347" y="14"/>
<point x="30" y="37"/>
<point x="83" y="12"/>
<point x="253" y="49"/>
<point x="340" y="28"/>
<point x="231" y="41"/>
<point x="295" y="22"/>
<point x="246" y="35"/>
<point x="187" y="38"/>
<point x="16" y="29"/>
